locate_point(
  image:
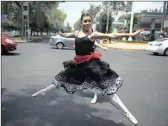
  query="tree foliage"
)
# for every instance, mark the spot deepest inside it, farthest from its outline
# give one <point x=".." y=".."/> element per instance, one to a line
<point x="102" y="19"/>
<point x="135" y="20"/>
<point x="114" y="8"/>
<point x="67" y="28"/>
<point x="77" y="25"/>
<point x="43" y="15"/>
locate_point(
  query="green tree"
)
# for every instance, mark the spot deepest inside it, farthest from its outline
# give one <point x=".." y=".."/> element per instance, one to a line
<point x="38" y="19"/>
<point x="67" y="28"/>
<point x="135" y="20"/>
<point x="115" y="7"/>
<point x="37" y="14"/>
<point x="55" y="17"/>
<point x="12" y="11"/>
<point x="102" y="19"/>
<point x="77" y="25"/>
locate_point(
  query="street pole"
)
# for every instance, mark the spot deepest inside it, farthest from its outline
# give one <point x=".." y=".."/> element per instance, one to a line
<point x="163" y="17"/>
<point x="131" y="23"/>
<point x="108" y="14"/>
<point x="125" y="21"/>
<point x="25" y="18"/>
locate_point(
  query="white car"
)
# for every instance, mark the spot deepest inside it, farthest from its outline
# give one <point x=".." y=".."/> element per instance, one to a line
<point x="159" y="46"/>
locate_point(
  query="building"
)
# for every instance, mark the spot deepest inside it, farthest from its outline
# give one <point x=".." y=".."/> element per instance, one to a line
<point x="149" y="20"/>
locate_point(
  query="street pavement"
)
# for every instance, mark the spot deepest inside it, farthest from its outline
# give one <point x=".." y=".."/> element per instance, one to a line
<point x="34" y="65"/>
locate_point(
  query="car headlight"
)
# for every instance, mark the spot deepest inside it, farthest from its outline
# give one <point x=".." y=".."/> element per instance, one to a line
<point x="8" y="41"/>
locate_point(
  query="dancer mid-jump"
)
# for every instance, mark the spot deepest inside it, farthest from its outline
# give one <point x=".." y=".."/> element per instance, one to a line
<point x="87" y="70"/>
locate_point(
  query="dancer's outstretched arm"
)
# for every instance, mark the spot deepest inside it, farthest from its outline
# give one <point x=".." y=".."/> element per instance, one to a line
<point x="68" y="35"/>
<point x="98" y="35"/>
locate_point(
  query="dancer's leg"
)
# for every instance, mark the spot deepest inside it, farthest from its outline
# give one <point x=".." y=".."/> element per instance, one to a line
<point x="94" y="100"/>
<point x="44" y="91"/>
<point x="128" y="114"/>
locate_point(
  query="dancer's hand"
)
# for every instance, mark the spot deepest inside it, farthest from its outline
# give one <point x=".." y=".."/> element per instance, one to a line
<point x="105" y="48"/>
<point x="137" y="31"/>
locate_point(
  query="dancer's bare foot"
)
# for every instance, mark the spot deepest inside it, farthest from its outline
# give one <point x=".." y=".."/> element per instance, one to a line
<point x="131" y="117"/>
<point x="39" y="93"/>
<point x="94" y="100"/>
<point x="43" y="91"/>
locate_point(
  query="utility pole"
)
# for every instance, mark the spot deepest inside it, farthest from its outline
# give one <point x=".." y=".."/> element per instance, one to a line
<point x="125" y="20"/>
<point x="108" y="14"/>
<point x="131" y="23"/>
<point x="163" y="17"/>
<point x="25" y="18"/>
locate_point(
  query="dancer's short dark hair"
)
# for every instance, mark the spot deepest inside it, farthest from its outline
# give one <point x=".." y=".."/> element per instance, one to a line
<point x="85" y="14"/>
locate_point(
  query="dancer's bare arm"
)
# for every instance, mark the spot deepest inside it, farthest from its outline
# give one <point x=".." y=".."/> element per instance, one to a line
<point x="68" y="35"/>
<point x="100" y="46"/>
<point x="98" y="35"/>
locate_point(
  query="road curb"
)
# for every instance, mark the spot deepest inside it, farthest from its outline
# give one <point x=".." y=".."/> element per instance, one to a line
<point x="120" y="48"/>
<point x="21" y="42"/>
<point x="130" y="43"/>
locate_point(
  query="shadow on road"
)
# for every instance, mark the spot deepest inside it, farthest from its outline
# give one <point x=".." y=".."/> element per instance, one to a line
<point x="151" y="54"/>
<point x="10" y="54"/>
<point x="101" y="98"/>
<point x="62" y="49"/>
<point x="51" y="110"/>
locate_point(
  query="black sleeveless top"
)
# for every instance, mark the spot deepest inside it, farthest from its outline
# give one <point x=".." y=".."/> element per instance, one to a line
<point x="83" y="46"/>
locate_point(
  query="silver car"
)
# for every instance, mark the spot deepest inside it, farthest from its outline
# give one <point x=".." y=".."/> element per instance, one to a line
<point x="62" y="42"/>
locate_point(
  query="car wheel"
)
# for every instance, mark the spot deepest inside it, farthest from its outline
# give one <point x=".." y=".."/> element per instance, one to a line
<point x="59" y="45"/>
<point x="3" y="51"/>
<point x="166" y="52"/>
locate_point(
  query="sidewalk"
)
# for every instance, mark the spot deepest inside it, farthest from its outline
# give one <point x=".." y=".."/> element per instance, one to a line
<point x="33" y="39"/>
<point x="127" y="46"/>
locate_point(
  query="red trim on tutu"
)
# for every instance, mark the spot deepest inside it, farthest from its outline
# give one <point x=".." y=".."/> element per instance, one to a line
<point x="80" y="59"/>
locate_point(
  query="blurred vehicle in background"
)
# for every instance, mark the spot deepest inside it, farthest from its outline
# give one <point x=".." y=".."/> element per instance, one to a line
<point x="7" y="44"/>
<point x="159" y="46"/>
<point x="62" y="42"/>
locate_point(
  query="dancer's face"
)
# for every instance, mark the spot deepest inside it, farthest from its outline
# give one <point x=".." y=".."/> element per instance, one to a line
<point x="86" y="23"/>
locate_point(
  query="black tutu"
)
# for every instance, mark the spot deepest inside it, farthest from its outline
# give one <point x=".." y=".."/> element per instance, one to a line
<point x="94" y="73"/>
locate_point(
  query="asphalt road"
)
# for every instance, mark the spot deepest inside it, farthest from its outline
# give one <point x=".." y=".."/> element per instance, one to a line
<point x="33" y="66"/>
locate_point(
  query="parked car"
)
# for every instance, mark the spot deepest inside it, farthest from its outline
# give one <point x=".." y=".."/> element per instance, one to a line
<point x="15" y="33"/>
<point x="7" y="44"/>
<point x="62" y="42"/>
<point x="159" y="46"/>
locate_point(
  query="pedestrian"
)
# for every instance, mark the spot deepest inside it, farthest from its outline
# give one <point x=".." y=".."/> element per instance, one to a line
<point x="121" y="31"/>
<point x="87" y="70"/>
<point x="162" y="34"/>
<point x="28" y="34"/>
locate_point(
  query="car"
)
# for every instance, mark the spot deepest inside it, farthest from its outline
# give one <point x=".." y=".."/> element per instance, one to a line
<point x="62" y="42"/>
<point x="159" y="46"/>
<point x="7" y="44"/>
<point x="15" y="33"/>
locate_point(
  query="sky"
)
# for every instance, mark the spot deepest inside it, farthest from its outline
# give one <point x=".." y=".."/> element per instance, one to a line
<point x="73" y="9"/>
